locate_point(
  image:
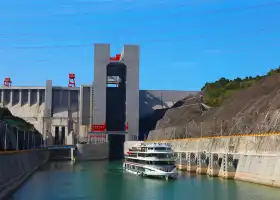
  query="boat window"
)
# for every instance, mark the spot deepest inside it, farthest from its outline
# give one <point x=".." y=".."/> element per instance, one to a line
<point x="143" y="149"/>
<point x="150" y="148"/>
<point x="160" y="148"/>
<point x="163" y="162"/>
<point x="142" y="162"/>
<point x="164" y="155"/>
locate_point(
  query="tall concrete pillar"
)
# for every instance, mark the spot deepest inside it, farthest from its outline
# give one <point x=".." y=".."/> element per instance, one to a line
<point x="81" y="105"/>
<point x="191" y="162"/>
<point x="91" y="105"/>
<point x="29" y="98"/>
<point x="38" y="97"/>
<point x="201" y="163"/>
<point x="48" y="111"/>
<point x="182" y="161"/>
<point x="69" y="99"/>
<point x="81" y="130"/>
<point x="227" y="169"/>
<point x="131" y="60"/>
<point x="213" y="167"/>
<point x="12" y="100"/>
<point x="101" y="60"/>
<point x="1" y="96"/>
<point x="20" y="98"/>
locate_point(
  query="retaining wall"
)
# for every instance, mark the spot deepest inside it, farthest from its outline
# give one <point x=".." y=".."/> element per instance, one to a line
<point x="16" y="167"/>
<point x="258" y="155"/>
<point x="86" y="152"/>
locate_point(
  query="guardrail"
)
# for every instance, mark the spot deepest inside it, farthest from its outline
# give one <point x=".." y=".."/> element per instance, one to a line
<point x="93" y="139"/>
<point x="14" y="139"/>
<point x="217" y="137"/>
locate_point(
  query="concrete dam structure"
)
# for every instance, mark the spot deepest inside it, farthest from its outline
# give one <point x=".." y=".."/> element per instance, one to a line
<point x="253" y="158"/>
<point x="57" y="112"/>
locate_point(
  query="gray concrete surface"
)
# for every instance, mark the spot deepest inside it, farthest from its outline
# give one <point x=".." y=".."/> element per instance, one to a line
<point x="258" y="156"/>
<point x="86" y="152"/>
<point x="128" y="70"/>
<point x="16" y="167"/>
<point x="71" y="107"/>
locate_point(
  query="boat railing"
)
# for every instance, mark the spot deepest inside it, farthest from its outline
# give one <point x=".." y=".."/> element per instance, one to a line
<point x="158" y="157"/>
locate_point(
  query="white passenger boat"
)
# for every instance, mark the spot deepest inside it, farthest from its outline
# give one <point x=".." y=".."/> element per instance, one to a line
<point x="154" y="160"/>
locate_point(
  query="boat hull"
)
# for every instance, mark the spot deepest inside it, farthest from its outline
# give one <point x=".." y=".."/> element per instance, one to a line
<point x="154" y="174"/>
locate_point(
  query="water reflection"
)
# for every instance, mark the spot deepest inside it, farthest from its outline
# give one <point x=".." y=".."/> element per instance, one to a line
<point x="107" y="181"/>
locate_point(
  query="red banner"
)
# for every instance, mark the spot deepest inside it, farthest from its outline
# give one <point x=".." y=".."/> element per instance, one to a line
<point x="98" y="127"/>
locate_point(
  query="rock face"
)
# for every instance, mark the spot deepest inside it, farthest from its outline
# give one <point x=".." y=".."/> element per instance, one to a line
<point x="253" y="110"/>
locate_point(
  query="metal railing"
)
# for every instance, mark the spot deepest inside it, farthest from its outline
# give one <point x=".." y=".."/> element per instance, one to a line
<point x="14" y="139"/>
<point x="93" y="139"/>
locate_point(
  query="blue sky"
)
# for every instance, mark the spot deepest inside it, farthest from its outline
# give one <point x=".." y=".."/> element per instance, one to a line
<point x="183" y="43"/>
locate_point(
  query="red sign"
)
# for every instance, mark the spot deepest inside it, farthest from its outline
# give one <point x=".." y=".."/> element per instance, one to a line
<point x="98" y="127"/>
<point x="116" y="58"/>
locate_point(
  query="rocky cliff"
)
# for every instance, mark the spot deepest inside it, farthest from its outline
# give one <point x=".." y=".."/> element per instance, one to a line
<point x="254" y="109"/>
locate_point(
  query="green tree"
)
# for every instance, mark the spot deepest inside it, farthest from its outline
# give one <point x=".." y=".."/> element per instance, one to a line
<point x="216" y="92"/>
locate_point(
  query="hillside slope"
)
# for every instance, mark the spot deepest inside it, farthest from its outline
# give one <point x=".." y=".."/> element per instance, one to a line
<point x="251" y="110"/>
<point x="6" y="116"/>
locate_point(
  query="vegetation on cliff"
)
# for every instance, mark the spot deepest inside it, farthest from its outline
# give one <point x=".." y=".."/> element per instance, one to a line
<point x="216" y="92"/>
<point x="6" y="115"/>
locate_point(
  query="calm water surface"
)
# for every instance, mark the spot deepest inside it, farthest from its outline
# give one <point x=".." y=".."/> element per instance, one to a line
<point x="106" y="181"/>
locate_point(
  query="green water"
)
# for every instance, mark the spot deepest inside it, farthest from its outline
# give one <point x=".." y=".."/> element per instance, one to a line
<point x="106" y="181"/>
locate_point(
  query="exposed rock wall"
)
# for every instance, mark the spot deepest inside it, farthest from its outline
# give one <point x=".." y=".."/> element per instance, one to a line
<point x="253" y="110"/>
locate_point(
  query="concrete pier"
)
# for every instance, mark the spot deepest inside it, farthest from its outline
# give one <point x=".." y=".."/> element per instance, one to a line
<point x="213" y="167"/>
<point x="191" y="162"/>
<point x="201" y="163"/>
<point x="227" y="169"/>
<point x="251" y="158"/>
<point x="182" y="161"/>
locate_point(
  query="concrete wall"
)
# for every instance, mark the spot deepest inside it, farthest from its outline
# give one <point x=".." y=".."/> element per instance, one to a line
<point x="92" y="151"/>
<point x="258" y="156"/>
<point x="101" y="60"/>
<point x="150" y="100"/>
<point x="85" y="105"/>
<point x="65" y="109"/>
<point x="16" y="167"/>
<point x="131" y="59"/>
<point x="50" y="106"/>
<point x="27" y="103"/>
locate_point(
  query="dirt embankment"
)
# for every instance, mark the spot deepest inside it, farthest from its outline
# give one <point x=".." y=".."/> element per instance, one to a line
<point x="251" y="110"/>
